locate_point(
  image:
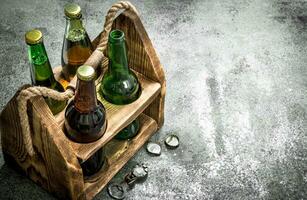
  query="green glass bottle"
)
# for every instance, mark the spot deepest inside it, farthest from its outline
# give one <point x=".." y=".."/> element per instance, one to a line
<point x="129" y="131"/>
<point x="119" y="84"/>
<point x="77" y="46"/>
<point x="41" y="71"/>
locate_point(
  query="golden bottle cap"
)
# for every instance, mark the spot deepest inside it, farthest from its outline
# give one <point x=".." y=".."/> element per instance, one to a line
<point x="33" y="36"/>
<point x="72" y="10"/>
<point x="86" y="73"/>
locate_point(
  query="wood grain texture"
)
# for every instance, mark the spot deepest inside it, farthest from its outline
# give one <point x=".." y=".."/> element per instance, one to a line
<point x="118" y="116"/>
<point x="11" y="137"/>
<point x="63" y="175"/>
<point x="55" y="164"/>
<point x="142" y="58"/>
<point x="120" y="152"/>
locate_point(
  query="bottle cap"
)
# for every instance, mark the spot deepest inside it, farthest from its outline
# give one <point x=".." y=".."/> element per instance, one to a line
<point x="33" y="36"/>
<point x="154" y="148"/>
<point x="72" y="10"/>
<point x="86" y="73"/>
<point x="172" y="141"/>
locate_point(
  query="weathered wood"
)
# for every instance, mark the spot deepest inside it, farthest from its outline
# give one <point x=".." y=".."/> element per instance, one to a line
<point x="11" y="137"/>
<point x="63" y="174"/>
<point x="55" y="163"/>
<point x="54" y="166"/>
<point x="118" y="117"/>
<point x="118" y="153"/>
<point x="142" y="58"/>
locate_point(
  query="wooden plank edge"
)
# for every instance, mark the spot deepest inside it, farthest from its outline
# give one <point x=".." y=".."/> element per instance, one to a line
<point x="148" y="128"/>
<point x="84" y="155"/>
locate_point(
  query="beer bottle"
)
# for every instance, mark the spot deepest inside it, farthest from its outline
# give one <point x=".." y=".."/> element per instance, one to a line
<point x="130" y="131"/>
<point x="77" y="46"/>
<point x="119" y="84"/>
<point x="85" y="118"/>
<point x="41" y="71"/>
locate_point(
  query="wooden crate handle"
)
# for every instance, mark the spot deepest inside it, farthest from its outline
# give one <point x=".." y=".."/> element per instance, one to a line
<point x="94" y="60"/>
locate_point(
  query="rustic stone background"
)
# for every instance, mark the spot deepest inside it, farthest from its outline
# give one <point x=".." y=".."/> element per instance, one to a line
<point x="236" y="94"/>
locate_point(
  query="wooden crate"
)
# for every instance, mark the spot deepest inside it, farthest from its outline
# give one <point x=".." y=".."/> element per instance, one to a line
<point x="55" y="164"/>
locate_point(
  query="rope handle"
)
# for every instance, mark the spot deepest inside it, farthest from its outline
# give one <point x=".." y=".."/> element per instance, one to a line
<point x="34" y="91"/>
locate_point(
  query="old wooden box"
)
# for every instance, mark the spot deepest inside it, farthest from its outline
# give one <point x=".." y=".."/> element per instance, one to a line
<point x="55" y="163"/>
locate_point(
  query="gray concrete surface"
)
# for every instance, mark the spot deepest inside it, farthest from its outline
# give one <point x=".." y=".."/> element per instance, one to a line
<point x="236" y="94"/>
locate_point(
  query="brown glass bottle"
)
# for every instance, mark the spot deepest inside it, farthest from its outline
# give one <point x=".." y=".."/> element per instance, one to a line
<point x="85" y="118"/>
<point x="77" y="46"/>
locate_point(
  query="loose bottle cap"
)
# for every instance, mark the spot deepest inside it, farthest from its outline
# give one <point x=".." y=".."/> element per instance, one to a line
<point x="72" y="10"/>
<point x="34" y="36"/>
<point x="117" y="191"/>
<point x="172" y="141"/>
<point x="154" y="148"/>
<point x="86" y="73"/>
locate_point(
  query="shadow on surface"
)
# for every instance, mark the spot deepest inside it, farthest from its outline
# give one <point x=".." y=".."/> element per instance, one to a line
<point x="16" y="186"/>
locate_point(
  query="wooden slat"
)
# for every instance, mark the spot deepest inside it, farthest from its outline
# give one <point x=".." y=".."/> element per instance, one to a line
<point x="142" y="58"/>
<point x="54" y="154"/>
<point x="118" y="154"/>
<point x="118" y="117"/>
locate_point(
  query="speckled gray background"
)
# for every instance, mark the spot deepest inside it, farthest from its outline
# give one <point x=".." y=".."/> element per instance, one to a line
<point x="236" y="94"/>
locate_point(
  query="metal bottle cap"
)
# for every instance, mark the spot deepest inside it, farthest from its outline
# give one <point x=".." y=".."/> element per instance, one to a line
<point x="172" y="141"/>
<point x="116" y="191"/>
<point x="154" y="148"/>
<point x="86" y="73"/>
<point x="34" y="36"/>
<point x="72" y="10"/>
<point x="140" y="171"/>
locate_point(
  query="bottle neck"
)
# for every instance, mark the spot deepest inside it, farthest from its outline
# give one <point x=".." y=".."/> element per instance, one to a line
<point x="85" y="99"/>
<point x="118" y="62"/>
<point x="41" y="72"/>
<point x="74" y="29"/>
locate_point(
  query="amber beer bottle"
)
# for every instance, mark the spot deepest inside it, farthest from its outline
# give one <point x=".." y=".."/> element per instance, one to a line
<point x="119" y="84"/>
<point x="77" y="46"/>
<point x="85" y="117"/>
<point x="41" y="71"/>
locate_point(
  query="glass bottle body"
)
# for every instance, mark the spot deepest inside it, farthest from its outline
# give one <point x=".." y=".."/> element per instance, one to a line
<point x="85" y="119"/>
<point x="77" y="47"/>
<point x="42" y="75"/>
<point x="129" y="131"/>
<point x="94" y="163"/>
<point x="119" y="84"/>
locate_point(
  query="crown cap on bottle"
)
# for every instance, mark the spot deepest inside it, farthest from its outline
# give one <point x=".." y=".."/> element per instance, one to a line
<point x="86" y="73"/>
<point x="72" y="10"/>
<point x="34" y="36"/>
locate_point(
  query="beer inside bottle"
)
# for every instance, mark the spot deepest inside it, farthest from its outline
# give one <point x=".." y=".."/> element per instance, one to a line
<point x="94" y="163"/>
<point x="119" y="84"/>
<point x="41" y="71"/>
<point x="77" y="46"/>
<point x="85" y="118"/>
